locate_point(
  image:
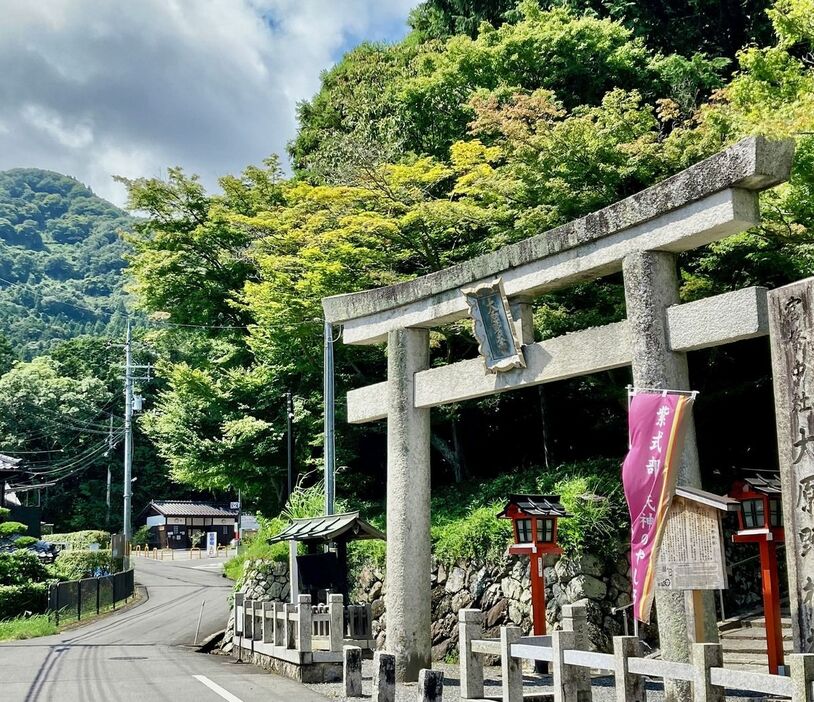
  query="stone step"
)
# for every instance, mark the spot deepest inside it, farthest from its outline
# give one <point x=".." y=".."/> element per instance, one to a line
<point x="757" y="646"/>
<point x="785" y="622"/>
<point x="758" y="660"/>
<point x="753" y="633"/>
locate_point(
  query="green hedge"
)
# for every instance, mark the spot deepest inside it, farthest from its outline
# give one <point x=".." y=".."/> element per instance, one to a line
<point x="81" y="539"/>
<point x="75" y="565"/>
<point x="16" y="599"/>
<point x="20" y="567"/>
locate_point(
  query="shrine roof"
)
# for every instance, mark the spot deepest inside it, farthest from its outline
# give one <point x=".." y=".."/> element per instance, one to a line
<point x="766" y="482"/>
<point x="347" y="527"/>
<point x="536" y="506"/>
<point x="8" y="463"/>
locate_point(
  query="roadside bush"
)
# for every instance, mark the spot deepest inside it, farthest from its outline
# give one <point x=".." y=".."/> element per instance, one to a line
<point x="16" y="599"/>
<point x="82" y="539"/>
<point x="75" y="565"/>
<point x="142" y="536"/>
<point x="479" y="536"/>
<point x="20" y="567"/>
<point x="257" y="547"/>
<point x="303" y="502"/>
<point x="12" y="528"/>
<point x="25" y="541"/>
<point x="465" y="524"/>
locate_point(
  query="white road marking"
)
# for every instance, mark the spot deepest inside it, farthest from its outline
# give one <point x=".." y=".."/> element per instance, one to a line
<point x="228" y="696"/>
<point x="208" y="566"/>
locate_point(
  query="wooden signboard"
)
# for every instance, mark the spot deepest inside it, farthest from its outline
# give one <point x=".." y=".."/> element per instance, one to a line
<point x="691" y="556"/>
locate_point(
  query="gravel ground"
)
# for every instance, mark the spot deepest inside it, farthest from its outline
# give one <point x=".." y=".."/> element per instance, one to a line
<point x="537" y="687"/>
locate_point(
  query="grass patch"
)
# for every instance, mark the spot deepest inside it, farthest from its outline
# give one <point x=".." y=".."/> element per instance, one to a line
<point x="27" y="628"/>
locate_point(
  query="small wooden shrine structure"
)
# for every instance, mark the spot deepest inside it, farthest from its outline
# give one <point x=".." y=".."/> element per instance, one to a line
<point x="322" y="570"/>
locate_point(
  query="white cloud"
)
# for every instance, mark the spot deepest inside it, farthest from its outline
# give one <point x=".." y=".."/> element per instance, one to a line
<point x="93" y="88"/>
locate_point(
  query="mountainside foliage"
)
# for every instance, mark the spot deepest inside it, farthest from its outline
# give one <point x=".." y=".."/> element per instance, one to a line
<point x="61" y="260"/>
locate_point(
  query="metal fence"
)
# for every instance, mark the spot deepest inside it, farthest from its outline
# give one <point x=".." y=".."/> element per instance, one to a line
<point x="78" y="598"/>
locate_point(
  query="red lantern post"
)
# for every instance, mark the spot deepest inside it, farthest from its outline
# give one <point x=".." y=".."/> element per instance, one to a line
<point x="760" y="521"/>
<point x="534" y="524"/>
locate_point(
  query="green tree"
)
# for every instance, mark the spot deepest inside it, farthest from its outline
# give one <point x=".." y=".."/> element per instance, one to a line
<point x="7" y="355"/>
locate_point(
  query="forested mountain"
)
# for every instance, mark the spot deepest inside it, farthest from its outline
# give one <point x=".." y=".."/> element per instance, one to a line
<point x="61" y="260"/>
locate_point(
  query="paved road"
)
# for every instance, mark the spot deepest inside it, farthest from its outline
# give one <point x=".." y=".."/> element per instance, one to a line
<point x="144" y="654"/>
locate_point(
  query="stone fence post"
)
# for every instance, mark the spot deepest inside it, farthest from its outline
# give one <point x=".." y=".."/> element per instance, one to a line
<point x="430" y="685"/>
<point x="706" y="656"/>
<point x="629" y="688"/>
<point x="511" y="669"/>
<point x="802" y="675"/>
<point x="384" y="677"/>
<point x="352" y="670"/>
<point x="470" y="627"/>
<point x="565" y="680"/>
<point x="269" y="621"/>
<point x="278" y="631"/>
<point x="336" y="614"/>
<point x="248" y="618"/>
<point x="575" y="619"/>
<point x="304" y="623"/>
<point x="239" y="599"/>
<point x="288" y="608"/>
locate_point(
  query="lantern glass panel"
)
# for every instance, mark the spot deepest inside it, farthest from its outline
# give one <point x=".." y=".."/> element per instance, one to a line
<point x="753" y="516"/>
<point x="545" y="530"/>
<point x="524" y="533"/>
<point x="775" y="513"/>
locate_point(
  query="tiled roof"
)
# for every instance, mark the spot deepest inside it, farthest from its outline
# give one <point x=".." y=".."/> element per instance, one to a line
<point x="182" y="508"/>
<point x="7" y="463"/>
<point x="537" y="505"/>
<point x="766" y="482"/>
<point x="328" y="528"/>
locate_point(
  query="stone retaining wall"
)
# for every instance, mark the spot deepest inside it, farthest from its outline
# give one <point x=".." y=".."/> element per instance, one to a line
<point x="503" y="592"/>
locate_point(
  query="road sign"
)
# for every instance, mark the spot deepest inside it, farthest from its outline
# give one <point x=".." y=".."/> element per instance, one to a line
<point x="234" y="505"/>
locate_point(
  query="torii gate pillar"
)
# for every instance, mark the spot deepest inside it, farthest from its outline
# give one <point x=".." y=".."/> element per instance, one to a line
<point x="651" y="286"/>
<point x="408" y="597"/>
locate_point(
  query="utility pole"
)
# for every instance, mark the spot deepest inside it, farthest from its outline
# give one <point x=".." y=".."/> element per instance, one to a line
<point x="110" y="458"/>
<point x="128" y="428"/>
<point x="289" y="413"/>
<point x="329" y="435"/>
<point x="128" y="434"/>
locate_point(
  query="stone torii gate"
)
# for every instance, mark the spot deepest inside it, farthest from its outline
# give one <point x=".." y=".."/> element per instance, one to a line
<point x="641" y="236"/>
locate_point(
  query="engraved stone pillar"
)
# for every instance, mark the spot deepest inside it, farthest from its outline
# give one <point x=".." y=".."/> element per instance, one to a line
<point x="651" y="286"/>
<point x="384" y="677"/>
<point x="352" y="671"/>
<point x="408" y="506"/>
<point x="430" y="685"/>
<point x="791" y="330"/>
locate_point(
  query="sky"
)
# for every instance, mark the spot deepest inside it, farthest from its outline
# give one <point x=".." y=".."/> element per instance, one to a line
<point x="96" y="88"/>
